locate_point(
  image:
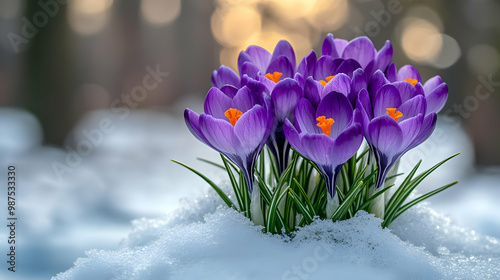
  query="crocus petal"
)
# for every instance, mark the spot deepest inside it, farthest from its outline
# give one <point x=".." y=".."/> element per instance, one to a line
<point x="432" y="83"/>
<point x="328" y="48"/>
<point x="285" y="96"/>
<point x="358" y="83"/>
<point x="361" y="49"/>
<point x="364" y="106"/>
<point x="428" y="126"/>
<point x="245" y="99"/>
<point x="259" y="56"/>
<point x="411" y="128"/>
<point x="340" y="45"/>
<point x="250" y="69"/>
<point x="340" y="83"/>
<point x="283" y="65"/>
<point x="192" y="120"/>
<point x="387" y="97"/>
<point x="376" y="82"/>
<point x="217" y="103"/>
<point x="312" y="91"/>
<point x="336" y="106"/>
<point x="250" y="129"/>
<point x="383" y="57"/>
<point x="318" y="148"/>
<point x="408" y="72"/>
<point x="406" y="90"/>
<point x="292" y="135"/>
<point x="220" y="134"/>
<point x="385" y="135"/>
<point x="347" y="144"/>
<point x="299" y="79"/>
<point x="269" y="85"/>
<point x="229" y="90"/>
<point x="306" y="65"/>
<point x="412" y="107"/>
<point x="348" y="67"/>
<point x="437" y="98"/>
<point x="225" y="76"/>
<point x="283" y="48"/>
<point x="391" y="73"/>
<point x="305" y="118"/>
<point x="325" y="66"/>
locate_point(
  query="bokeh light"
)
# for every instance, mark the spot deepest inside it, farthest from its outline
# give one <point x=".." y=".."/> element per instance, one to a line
<point x="87" y="17"/>
<point x="233" y="26"/>
<point x="160" y="12"/>
<point x="421" y="40"/>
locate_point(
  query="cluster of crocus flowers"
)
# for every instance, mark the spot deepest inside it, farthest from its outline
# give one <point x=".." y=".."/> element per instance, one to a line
<point x="323" y="107"/>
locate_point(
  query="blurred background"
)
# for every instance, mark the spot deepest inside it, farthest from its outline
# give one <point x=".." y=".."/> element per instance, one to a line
<point x="91" y="158"/>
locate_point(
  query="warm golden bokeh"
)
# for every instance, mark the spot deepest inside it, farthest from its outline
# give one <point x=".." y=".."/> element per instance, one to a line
<point x="87" y="17"/>
<point x="160" y="12"/>
<point x="237" y="24"/>
<point x="421" y="40"/>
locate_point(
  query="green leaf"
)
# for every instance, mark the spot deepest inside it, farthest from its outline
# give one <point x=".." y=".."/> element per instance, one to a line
<point x="345" y="206"/>
<point x="408" y="188"/>
<point x="373" y="197"/>
<point x="422" y="198"/>
<point x="224" y="197"/>
<point x="306" y="198"/>
<point x="236" y="188"/>
<point x="301" y="207"/>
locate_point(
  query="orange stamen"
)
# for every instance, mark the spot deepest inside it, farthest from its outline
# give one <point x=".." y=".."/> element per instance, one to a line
<point x="325" y="124"/>
<point x="233" y="115"/>
<point x="413" y="82"/>
<point x="327" y="79"/>
<point x="394" y="114"/>
<point x="275" y="77"/>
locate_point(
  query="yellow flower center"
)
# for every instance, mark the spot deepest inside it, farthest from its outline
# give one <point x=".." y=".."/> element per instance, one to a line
<point x="413" y="82"/>
<point x="325" y="124"/>
<point x="275" y="76"/>
<point x="394" y="114"/>
<point x="327" y="79"/>
<point x="233" y="115"/>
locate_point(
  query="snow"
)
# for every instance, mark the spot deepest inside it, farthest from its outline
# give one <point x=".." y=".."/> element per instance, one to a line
<point x="177" y="230"/>
<point x="224" y="245"/>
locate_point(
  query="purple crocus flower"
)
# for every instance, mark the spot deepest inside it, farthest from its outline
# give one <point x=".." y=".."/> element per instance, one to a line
<point x="328" y="135"/>
<point x="435" y="90"/>
<point x="341" y="56"/>
<point x="315" y="90"/>
<point x="395" y="119"/>
<point x="235" y="126"/>
<point x="256" y="60"/>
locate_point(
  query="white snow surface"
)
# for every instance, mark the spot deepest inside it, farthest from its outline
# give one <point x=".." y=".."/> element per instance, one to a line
<point x="204" y="241"/>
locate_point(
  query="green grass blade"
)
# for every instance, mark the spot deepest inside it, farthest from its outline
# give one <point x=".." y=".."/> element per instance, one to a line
<point x="234" y="183"/>
<point x="224" y="197"/>
<point x="422" y="198"/>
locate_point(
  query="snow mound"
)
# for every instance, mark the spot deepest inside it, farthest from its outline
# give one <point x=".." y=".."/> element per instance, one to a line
<point x="203" y="241"/>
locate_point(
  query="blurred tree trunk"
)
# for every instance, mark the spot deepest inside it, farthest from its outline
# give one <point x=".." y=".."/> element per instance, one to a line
<point x="48" y="71"/>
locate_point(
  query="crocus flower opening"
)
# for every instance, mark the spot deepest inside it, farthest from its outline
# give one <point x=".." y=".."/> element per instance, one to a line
<point x="328" y="143"/>
<point x="233" y="115"/>
<point x="236" y="127"/>
<point x="275" y="76"/>
<point x="393" y="113"/>
<point x="325" y="124"/>
<point x="395" y="119"/>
